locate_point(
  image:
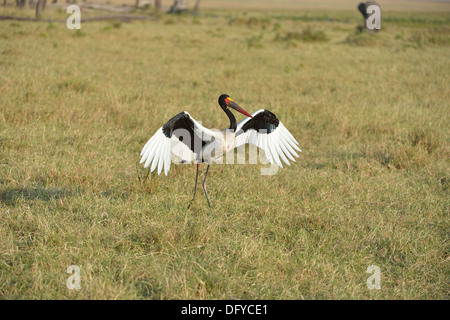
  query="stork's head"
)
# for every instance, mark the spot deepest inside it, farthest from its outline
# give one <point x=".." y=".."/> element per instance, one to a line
<point x="226" y="102"/>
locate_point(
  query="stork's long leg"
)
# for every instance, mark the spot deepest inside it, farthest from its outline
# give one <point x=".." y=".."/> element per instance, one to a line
<point x="204" y="186"/>
<point x="195" y="187"/>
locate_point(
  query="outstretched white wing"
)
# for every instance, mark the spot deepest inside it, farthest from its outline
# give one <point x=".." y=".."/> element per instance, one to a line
<point x="181" y="138"/>
<point x="265" y="131"/>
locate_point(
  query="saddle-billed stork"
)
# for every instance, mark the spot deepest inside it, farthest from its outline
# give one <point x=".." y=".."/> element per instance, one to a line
<point x="184" y="140"/>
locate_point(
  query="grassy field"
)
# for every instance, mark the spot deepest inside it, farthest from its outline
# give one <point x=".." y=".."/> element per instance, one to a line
<point x="371" y="114"/>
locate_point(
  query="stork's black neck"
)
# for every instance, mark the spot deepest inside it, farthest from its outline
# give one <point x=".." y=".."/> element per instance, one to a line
<point x="232" y="119"/>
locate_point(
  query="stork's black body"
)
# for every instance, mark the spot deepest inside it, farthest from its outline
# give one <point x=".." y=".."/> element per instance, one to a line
<point x="224" y="102"/>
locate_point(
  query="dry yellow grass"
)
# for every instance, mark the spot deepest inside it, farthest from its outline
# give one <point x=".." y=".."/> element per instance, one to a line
<point x="370" y="188"/>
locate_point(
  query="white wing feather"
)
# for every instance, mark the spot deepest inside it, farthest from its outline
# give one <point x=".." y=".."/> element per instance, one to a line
<point x="159" y="151"/>
<point x="278" y="144"/>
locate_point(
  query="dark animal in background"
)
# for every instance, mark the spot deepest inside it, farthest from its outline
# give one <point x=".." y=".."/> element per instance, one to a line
<point x="362" y="7"/>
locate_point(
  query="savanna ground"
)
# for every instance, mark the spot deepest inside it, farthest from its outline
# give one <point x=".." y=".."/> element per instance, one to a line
<point x="371" y="114"/>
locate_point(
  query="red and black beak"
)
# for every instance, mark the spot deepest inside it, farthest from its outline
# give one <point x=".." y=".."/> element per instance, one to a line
<point x="231" y="104"/>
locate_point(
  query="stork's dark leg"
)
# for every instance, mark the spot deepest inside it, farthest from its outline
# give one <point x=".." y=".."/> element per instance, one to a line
<point x="204" y="186"/>
<point x="195" y="188"/>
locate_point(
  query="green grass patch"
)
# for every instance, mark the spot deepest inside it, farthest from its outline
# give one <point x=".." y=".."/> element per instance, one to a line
<point x="431" y="37"/>
<point x="260" y="22"/>
<point x="307" y="35"/>
<point x="364" y="39"/>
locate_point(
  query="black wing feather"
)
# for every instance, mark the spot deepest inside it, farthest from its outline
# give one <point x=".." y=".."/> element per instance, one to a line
<point x="184" y="121"/>
<point x="264" y="122"/>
